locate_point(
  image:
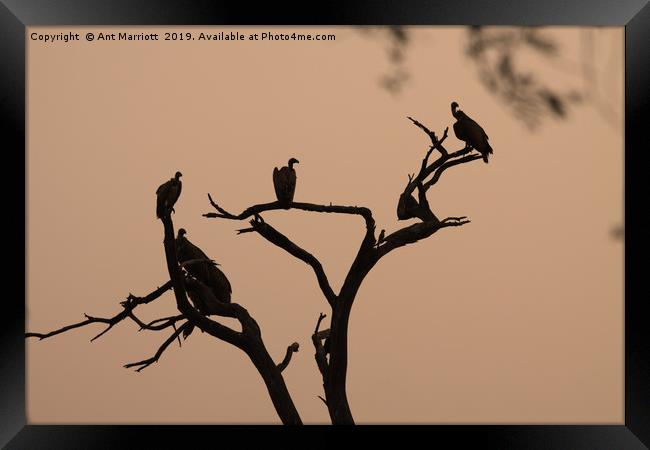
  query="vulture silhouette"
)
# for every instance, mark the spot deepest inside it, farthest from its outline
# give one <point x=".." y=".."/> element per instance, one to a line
<point x="471" y="132"/>
<point x="206" y="272"/>
<point x="167" y="194"/>
<point x="203" y="299"/>
<point x="201" y="296"/>
<point x="284" y="182"/>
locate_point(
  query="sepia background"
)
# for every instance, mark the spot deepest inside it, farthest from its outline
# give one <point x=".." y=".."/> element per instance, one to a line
<point x="516" y="317"/>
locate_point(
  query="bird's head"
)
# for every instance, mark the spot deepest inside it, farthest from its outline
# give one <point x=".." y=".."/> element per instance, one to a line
<point x="293" y="161"/>
<point x="454" y="109"/>
<point x="181" y="232"/>
<point x="178" y="175"/>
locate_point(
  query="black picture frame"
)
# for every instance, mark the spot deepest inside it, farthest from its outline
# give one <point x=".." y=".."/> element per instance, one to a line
<point x="16" y="15"/>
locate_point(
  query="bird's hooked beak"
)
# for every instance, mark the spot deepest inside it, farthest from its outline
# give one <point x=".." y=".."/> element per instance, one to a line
<point x="178" y="175"/>
<point x="293" y="161"/>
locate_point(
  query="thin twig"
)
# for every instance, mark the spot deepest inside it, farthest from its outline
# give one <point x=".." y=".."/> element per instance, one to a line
<point x="129" y="305"/>
<point x="147" y="362"/>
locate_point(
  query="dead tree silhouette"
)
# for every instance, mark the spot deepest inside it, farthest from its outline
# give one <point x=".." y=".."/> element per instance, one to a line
<point x="331" y="345"/>
<point x="332" y="356"/>
<point x="249" y="339"/>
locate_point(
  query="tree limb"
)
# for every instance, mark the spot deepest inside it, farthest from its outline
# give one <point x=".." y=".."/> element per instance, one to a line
<point x="272" y="206"/>
<point x="131" y="299"/>
<point x="293" y="348"/>
<point x="416" y="232"/>
<point x="129" y="305"/>
<point x="435" y="142"/>
<point x="275" y="237"/>
<point x="408" y="207"/>
<point x="157" y="324"/>
<point x="320" y="355"/>
<point x="147" y="362"/>
<point x="436" y="176"/>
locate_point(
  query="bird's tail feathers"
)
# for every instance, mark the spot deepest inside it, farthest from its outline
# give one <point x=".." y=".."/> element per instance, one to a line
<point x="488" y="151"/>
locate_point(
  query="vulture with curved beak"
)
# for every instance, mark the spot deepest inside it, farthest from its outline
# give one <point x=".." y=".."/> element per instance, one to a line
<point x="284" y="182"/>
<point x="167" y="194"/>
<point x="471" y="132"/>
<point x="202" y="268"/>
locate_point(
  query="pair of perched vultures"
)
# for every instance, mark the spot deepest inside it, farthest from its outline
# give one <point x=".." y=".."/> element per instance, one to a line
<point x="206" y="285"/>
<point x="465" y="129"/>
<point x="284" y="182"/>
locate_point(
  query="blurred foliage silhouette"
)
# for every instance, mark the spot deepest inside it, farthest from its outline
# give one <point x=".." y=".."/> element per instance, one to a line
<point x="397" y="39"/>
<point x="526" y="68"/>
<point x="530" y="98"/>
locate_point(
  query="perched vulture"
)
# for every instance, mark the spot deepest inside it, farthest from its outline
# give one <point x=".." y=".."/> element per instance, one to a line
<point x="471" y="132"/>
<point x="167" y="194"/>
<point x="202" y="296"/>
<point x="203" y="299"/>
<point x="284" y="182"/>
<point x="206" y="272"/>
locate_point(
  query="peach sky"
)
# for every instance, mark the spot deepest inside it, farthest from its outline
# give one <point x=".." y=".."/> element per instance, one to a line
<point x="516" y="317"/>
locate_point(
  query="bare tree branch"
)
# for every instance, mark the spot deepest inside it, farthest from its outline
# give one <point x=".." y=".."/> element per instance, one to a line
<point x="66" y="328"/>
<point x="131" y="299"/>
<point x="416" y="232"/>
<point x="436" y="176"/>
<point x="129" y="305"/>
<point x="427" y="169"/>
<point x="275" y="237"/>
<point x="147" y="362"/>
<point x="293" y="348"/>
<point x="257" y="209"/>
<point x="320" y="355"/>
<point x="435" y="142"/>
<point x="157" y="324"/>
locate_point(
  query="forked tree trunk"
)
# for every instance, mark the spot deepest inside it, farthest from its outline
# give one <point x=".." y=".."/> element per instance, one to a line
<point x="336" y="391"/>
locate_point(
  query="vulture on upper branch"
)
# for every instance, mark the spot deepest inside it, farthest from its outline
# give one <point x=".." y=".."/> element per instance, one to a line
<point x="471" y="132"/>
<point x="167" y="194"/>
<point x="284" y="182"/>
